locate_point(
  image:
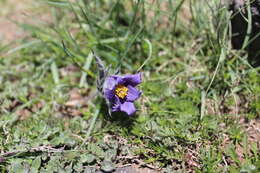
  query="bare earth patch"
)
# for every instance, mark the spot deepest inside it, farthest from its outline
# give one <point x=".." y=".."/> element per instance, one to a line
<point x="18" y="11"/>
<point x="14" y="11"/>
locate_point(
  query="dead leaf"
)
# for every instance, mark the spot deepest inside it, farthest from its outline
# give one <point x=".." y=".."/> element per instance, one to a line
<point x="23" y="113"/>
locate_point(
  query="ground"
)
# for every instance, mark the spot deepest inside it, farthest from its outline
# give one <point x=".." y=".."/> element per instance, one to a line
<point x="9" y="30"/>
<point x="200" y="104"/>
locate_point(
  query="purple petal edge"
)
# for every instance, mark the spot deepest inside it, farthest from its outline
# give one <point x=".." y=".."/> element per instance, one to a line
<point x="132" y="79"/>
<point x="128" y="107"/>
<point x="133" y="94"/>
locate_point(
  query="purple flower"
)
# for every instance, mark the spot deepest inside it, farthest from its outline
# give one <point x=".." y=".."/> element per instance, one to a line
<point x="120" y="92"/>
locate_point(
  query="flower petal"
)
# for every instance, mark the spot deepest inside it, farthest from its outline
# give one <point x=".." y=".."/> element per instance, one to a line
<point x="116" y="105"/>
<point x="132" y="94"/>
<point x="108" y="88"/>
<point x="110" y="82"/>
<point x="132" y="79"/>
<point x="128" y="107"/>
<point x="109" y="94"/>
<point x="118" y="79"/>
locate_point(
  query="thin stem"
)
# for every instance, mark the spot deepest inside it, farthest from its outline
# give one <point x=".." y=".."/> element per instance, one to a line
<point x="91" y="125"/>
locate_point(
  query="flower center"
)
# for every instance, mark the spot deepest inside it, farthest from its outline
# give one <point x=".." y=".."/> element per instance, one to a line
<point x="121" y="91"/>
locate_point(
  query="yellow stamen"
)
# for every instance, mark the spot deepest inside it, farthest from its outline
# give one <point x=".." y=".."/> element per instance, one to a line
<point x="121" y="91"/>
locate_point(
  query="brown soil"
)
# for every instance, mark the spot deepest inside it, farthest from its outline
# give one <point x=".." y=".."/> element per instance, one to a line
<point x="14" y="10"/>
<point x="18" y="11"/>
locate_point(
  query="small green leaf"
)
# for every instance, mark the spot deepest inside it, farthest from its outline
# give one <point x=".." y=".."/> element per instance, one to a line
<point x="110" y="154"/>
<point x="94" y="149"/>
<point x="87" y="158"/>
<point x="36" y="163"/>
<point x="107" y="166"/>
